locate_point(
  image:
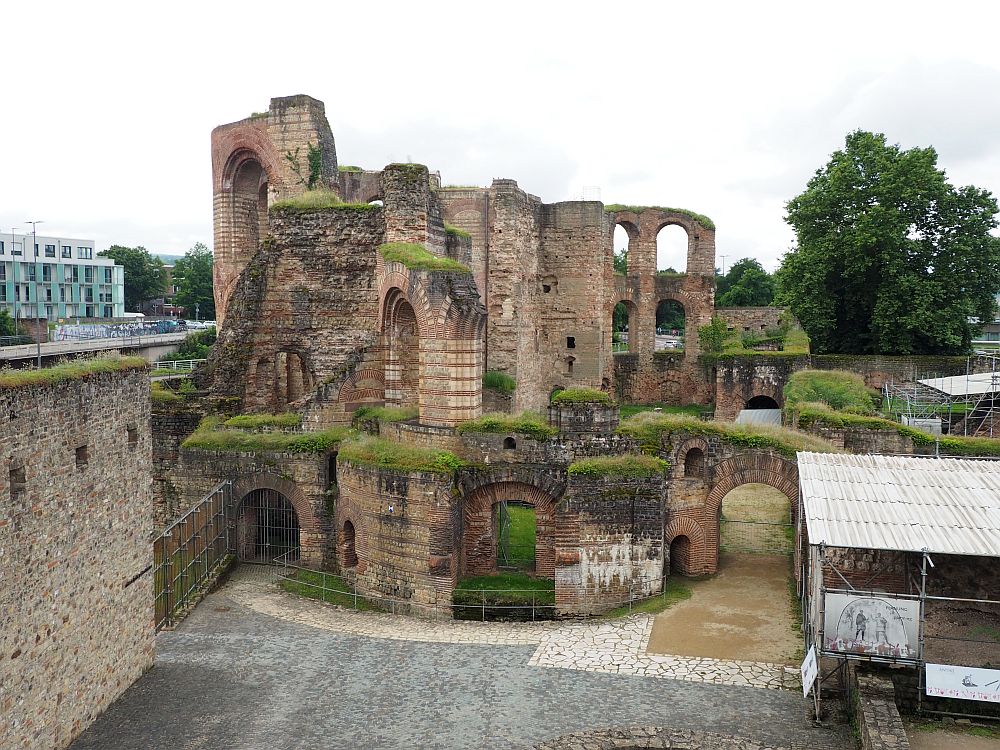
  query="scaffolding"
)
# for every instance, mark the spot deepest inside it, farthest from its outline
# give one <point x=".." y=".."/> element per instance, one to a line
<point x="954" y="405"/>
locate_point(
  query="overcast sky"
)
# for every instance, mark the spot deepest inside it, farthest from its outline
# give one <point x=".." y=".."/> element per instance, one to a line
<point x="723" y="109"/>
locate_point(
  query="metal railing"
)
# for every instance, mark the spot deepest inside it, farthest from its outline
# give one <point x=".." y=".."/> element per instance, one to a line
<point x="189" y="554"/>
<point x="180" y="365"/>
<point x="16" y="340"/>
<point x="756" y="537"/>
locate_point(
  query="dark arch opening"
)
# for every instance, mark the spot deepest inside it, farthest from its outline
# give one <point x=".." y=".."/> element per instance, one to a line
<point x="249" y="198"/>
<point x="348" y="551"/>
<point x="680" y="555"/>
<point x="762" y="402"/>
<point x="694" y="463"/>
<point x="331" y="469"/>
<point x="671" y="322"/>
<point x="516" y="533"/>
<point x="621" y="325"/>
<point x="509" y="443"/>
<point x="402" y="345"/>
<point x="267" y="527"/>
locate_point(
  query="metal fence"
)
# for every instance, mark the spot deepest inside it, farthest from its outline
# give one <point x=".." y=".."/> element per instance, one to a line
<point x="756" y="537"/>
<point x="16" y="340"/>
<point x="190" y="553"/>
<point x="179" y="365"/>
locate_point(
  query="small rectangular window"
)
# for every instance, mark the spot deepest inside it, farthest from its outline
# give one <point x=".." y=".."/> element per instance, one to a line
<point x="1" y="247"/>
<point x="133" y="436"/>
<point x="571" y="342"/>
<point x="107" y="275"/>
<point x="86" y="253"/>
<point x="67" y="251"/>
<point x="50" y="251"/>
<point x="16" y="248"/>
<point x="82" y="457"/>
<point x="17" y="481"/>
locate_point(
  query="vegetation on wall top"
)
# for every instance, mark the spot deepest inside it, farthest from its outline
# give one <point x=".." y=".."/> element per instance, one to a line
<point x="700" y="218"/>
<point x="499" y="381"/>
<point x="649" y="429"/>
<point x="618" y="467"/>
<point x="209" y="437"/>
<point x="581" y="396"/>
<point x="418" y="258"/>
<point x="349" y="168"/>
<point x="256" y="421"/>
<point x="385" y="454"/>
<point x="386" y="413"/>
<point x="526" y="423"/>
<point x="75" y="370"/>
<point x="838" y="389"/>
<point x="456" y="231"/>
<point x="310" y="200"/>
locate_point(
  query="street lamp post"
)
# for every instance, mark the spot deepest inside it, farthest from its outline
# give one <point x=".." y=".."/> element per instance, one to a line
<point x="13" y="265"/>
<point x="34" y="246"/>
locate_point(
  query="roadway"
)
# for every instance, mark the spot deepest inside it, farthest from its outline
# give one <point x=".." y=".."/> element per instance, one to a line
<point x="52" y="349"/>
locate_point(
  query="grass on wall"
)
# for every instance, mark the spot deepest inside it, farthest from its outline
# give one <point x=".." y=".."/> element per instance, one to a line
<point x="209" y="437"/>
<point x="456" y="232"/>
<point x="257" y="421"/>
<point x="618" y="467"/>
<point x="74" y="370"/>
<point x="386" y="413"/>
<point x="648" y="428"/>
<point x="691" y="410"/>
<point x="385" y="454"/>
<point x="499" y="381"/>
<point x="838" y="389"/>
<point x="581" y="396"/>
<point x="526" y="423"/>
<point x="310" y="200"/>
<point x="700" y="218"/>
<point x="326" y="587"/>
<point x="349" y="168"/>
<point x="419" y="258"/>
<point x="160" y="395"/>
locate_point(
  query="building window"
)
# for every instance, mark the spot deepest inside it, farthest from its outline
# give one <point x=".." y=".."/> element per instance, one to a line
<point x="1" y="247"/>
<point x="75" y="275"/>
<point x="47" y="272"/>
<point x="48" y="294"/>
<point x="3" y="292"/>
<point x="88" y="294"/>
<point x="50" y="251"/>
<point x="107" y="275"/>
<point x="109" y="311"/>
<point x="88" y="274"/>
<point x="30" y="273"/>
<point x="62" y="294"/>
<point x="16" y="248"/>
<point x="36" y="249"/>
<point x="571" y="342"/>
<point x="67" y="251"/>
<point x="3" y="271"/>
<point x="89" y="311"/>
<point x="82" y="457"/>
<point x="85" y="253"/>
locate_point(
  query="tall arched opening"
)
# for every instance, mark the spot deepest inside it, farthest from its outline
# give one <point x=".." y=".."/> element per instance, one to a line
<point x="671" y="249"/>
<point x="756" y="519"/>
<point x="292" y="380"/>
<point x="267" y="527"/>
<point x="671" y="322"/>
<point x="680" y="556"/>
<point x="348" y="548"/>
<point x="622" y="318"/>
<point x="249" y="206"/>
<point x="624" y="235"/>
<point x="401" y="339"/>
<point x="762" y="402"/>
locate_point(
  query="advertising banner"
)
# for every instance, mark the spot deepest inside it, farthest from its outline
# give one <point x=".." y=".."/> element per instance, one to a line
<point x="869" y="625"/>
<point x="964" y="683"/>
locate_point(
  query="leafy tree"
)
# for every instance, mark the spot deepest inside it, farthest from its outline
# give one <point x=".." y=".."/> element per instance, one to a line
<point x="145" y="277"/>
<point x="193" y="277"/>
<point x="6" y="324"/>
<point x="712" y="337"/>
<point x="746" y="284"/>
<point x="670" y="315"/>
<point x="621" y="262"/>
<point x="891" y="258"/>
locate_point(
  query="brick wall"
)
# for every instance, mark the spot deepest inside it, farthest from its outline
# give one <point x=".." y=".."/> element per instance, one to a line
<point x="76" y="617"/>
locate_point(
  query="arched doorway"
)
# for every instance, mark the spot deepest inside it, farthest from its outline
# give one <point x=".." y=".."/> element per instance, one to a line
<point x="267" y="527"/>
<point x="680" y="555"/>
<point x="348" y="550"/>
<point x="670" y="325"/>
<point x="621" y="322"/>
<point x="622" y="243"/>
<point x="694" y="464"/>
<point x="762" y="402"/>
<point x="671" y="249"/>
<point x="402" y="350"/>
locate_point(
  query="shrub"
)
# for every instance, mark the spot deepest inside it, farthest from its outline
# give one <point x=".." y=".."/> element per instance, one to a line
<point x="80" y="368"/>
<point x="581" y="396"/>
<point x="527" y="424"/>
<point x="386" y="413"/>
<point x="621" y="467"/>
<point x="840" y="390"/>
<point x="256" y="421"/>
<point x="712" y="337"/>
<point x="384" y="454"/>
<point x="419" y="258"/>
<point x="499" y="381"/>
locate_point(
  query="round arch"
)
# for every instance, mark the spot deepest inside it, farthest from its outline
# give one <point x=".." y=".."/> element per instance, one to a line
<point x="310" y="531"/>
<point x="673" y="246"/>
<point x="762" y="402"/>
<point x="697" y="550"/>
<point x="625" y="240"/>
<point x="680" y="459"/>
<point x="624" y="319"/>
<point x="400" y="332"/>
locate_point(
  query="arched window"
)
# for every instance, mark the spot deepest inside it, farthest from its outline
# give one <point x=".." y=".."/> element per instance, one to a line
<point x="671" y="249"/>
<point x="348" y="553"/>
<point x="509" y="443"/>
<point x="622" y="243"/>
<point x="694" y="463"/>
<point x="621" y="323"/>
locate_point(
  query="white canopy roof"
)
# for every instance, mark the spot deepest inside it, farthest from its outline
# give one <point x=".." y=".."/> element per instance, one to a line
<point x="906" y="503"/>
<point x="965" y="385"/>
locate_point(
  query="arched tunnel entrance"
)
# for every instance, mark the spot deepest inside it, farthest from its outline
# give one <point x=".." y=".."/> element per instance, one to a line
<point x="267" y="527"/>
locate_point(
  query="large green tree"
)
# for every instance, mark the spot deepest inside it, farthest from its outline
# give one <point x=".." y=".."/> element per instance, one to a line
<point x="144" y="274"/>
<point x="6" y="324"/>
<point x="193" y="278"/>
<point x="890" y="257"/>
<point x="746" y="284"/>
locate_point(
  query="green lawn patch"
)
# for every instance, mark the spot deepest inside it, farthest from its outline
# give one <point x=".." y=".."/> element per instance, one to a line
<point x="522" y="533"/>
<point x="675" y="590"/>
<point x="581" y="396"/>
<point x="75" y="370"/>
<point x="418" y="258"/>
<point x="384" y="454"/>
<point x="527" y="423"/>
<point x="160" y="395"/>
<point x="620" y="467"/>
<point x="499" y="381"/>
<point x="327" y="587"/>
<point x="257" y="421"/>
<point x="504" y="596"/>
<point x="208" y="437"/>
<point x="838" y="389"/>
<point x="310" y="200"/>
<point x="386" y="413"/>
<point x="692" y="410"/>
<point x="349" y="168"/>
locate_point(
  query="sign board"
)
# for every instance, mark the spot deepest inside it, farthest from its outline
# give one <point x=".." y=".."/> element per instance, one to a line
<point x="965" y="683"/>
<point x="809" y="671"/>
<point x="870" y="625"/>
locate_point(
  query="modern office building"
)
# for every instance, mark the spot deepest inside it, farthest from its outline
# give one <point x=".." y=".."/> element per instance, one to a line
<point x="58" y="278"/>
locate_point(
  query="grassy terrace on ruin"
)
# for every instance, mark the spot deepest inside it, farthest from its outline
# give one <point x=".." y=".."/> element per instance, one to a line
<point x="837" y="389"/>
<point x="259" y="421"/>
<point x="456" y="231"/>
<point x="581" y="396"/>
<point x="499" y="381"/>
<point x="318" y="200"/>
<point x="526" y="423"/>
<point x="615" y="208"/>
<point x="75" y="370"/>
<point x="212" y="436"/>
<point x="649" y="428"/>
<point x="418" y="258"/>
<point x="385" y="414"/>
<point x="618" y="467"/>
<point x="385" y="454"/>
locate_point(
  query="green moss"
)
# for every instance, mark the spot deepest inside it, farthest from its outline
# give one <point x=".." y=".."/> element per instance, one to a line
<point x="386" y="413"/>
<point x="499" y="381"/>
<point x="311" y="200"/>
<point x="75" y="370"/>
<point x="256" y="421"/>
<point x="418" y="258"/>
<point x="384" y="454"/>
<point x="621" y="467"/>
<point x="456" y="232"/>
<point x="349" y="168"/>
<point x="649" y="429"/>
<point x="840" y="390"/>
<point x="527" y="424"/>
<point x="209" y="437"/>
<point x="461" y="187"/>
<point x="581" y="396"/>
<point x="700" y="218"/>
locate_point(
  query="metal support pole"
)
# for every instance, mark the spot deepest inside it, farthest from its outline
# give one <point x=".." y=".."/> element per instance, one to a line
<point x="921" y="628"/>
<point x="38" y="341"/>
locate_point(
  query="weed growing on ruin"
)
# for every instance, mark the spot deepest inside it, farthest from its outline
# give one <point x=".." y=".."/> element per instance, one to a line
<point x="618" y="467"/>
<point x="581" y="396"/>
<point x="160" y="395"/>
<point x="691" y="410"/>
<point x="209" y="437"/>
<point x="311" y="200"/>
<point x="80" y="368"/>
<point x="386" y="413"/>
<point x="499" y="381"/>
<point x="840" y="390"/>
<point x="706" y="222"/>
<point x="349" y="168"/>
<point x="384" y="454"/>
<point x="314" y="163"/>
<point x="456" y="232"/>
<point x="419" y="258"/>
<point x="258" y="421"/>
<point x="526" y="423"/>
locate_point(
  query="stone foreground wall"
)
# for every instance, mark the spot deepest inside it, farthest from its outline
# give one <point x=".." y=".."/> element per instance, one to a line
<point x="76" y="615"/>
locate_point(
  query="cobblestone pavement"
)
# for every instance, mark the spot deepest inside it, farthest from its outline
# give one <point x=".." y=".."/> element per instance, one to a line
<point x="233" y="677"/>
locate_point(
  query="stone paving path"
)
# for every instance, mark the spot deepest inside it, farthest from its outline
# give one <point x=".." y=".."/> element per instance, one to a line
<point x="613" y="646"/>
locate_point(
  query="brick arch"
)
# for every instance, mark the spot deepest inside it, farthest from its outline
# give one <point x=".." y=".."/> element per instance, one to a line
<point x="460" y="322"/>
<point x="478" y="545"/>
<point x="311" y="535"/>
<point x="697" y="562"/>
<point x="363" y="386"/>
<point x="680" y="455"/>
<point x="396" y="278"/>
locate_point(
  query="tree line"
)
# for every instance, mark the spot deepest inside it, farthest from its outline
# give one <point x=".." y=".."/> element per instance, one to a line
<point x="146" y="278"/>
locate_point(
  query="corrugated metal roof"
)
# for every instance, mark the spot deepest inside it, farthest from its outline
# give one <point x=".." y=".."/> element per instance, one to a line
<point x="907" y="503"/>
<point x="966" y="385"/>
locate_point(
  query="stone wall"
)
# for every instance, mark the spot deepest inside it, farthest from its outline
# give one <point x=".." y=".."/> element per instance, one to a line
<point x="875" y="714"/>
<point x="738" y="379"/>
<point x="76" y="589"/>
<point x="754" y="320"/>
<point x="172" y="423"/>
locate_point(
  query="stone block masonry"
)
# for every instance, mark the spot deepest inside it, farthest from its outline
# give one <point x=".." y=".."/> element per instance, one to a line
<point x="76" y="589"/>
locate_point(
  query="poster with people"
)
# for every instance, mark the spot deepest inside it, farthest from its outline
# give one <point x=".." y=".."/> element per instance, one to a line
<point x="869" y="625"/>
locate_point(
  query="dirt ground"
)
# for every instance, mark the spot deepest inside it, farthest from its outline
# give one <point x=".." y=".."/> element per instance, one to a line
<point x="950" y="741"/>
<point x="741" y="613"/>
